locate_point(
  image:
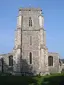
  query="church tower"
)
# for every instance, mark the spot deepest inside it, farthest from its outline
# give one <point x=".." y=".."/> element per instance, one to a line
<point x="30" y="51"/>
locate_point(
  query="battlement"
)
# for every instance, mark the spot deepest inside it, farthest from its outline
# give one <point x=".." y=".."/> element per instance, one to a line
<point x="30" y="9"/>
<point x="53" y="54"/>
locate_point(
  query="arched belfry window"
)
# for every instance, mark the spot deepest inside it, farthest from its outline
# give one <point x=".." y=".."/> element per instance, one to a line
<point x="50" y="61"/>
<point x="30" y="55"/>
<point x="30" y="21"/>
<point x="10" y="60"/>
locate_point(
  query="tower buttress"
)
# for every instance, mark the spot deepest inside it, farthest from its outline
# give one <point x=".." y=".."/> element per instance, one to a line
<point x="17" y="53"/>
<point x="43" y="48"/>
<point x="18" y="32"/>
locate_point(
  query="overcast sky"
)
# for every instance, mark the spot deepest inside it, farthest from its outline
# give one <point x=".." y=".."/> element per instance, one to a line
<point x="53" y="12"/>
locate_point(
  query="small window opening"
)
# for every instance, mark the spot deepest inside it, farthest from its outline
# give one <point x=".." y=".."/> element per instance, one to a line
<point x="30" y="58"/>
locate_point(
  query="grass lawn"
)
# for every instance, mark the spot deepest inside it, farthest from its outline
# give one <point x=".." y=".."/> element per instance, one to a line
<point x="55" y="79"/>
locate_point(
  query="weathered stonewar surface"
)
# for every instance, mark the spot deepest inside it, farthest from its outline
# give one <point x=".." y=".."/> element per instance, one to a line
<point x="30" y="54"/>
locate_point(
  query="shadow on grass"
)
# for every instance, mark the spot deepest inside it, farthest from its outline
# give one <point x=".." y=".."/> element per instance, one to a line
<point x="18" y="80"/>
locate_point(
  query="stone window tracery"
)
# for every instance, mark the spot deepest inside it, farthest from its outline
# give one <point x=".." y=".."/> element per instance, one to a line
<point x="30" y="22"/>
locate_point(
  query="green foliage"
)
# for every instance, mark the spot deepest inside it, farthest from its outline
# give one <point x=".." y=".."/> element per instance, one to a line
<point x="5" y="74"/>
<point x="62" y="71"/>
<point x="54" y="79"/>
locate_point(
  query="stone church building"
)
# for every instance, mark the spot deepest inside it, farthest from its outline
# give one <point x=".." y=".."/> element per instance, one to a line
<point x="30" y="54"/>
